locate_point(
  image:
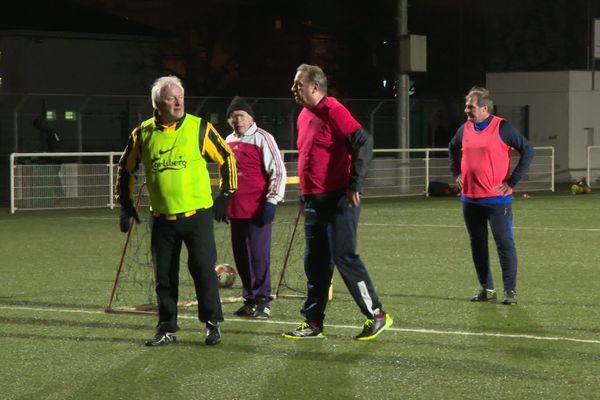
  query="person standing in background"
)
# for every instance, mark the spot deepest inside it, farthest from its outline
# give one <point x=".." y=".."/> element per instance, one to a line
<point x="261" y="185"/>
<point x="479" y="157"/>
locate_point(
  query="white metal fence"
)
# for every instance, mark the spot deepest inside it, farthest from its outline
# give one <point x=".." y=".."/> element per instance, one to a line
<point x="86" y="180"/>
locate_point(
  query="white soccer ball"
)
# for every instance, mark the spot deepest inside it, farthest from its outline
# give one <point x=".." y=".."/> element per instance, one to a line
<point x="225" y="275"/>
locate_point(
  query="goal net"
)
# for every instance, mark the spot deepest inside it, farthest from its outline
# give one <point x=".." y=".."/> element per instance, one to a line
<point x="134" y="287"/>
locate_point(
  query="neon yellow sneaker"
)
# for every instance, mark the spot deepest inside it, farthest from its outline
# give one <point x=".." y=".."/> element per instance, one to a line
<point x="374" y="326"/>
<point x="305" y="331"/>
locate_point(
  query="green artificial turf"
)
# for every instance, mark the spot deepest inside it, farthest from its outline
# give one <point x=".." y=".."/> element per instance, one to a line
<point x="57" y="342"/>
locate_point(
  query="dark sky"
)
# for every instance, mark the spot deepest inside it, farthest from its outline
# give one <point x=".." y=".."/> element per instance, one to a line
<point x="252" y="47"/>
<point x="468" y="38"/>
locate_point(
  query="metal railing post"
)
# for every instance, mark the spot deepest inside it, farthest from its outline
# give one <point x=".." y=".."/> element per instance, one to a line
<point x="111" y="182"/>
<point x="427" y="172"/>
<point x="12" y="182"/>
<point x="552" y="169"/>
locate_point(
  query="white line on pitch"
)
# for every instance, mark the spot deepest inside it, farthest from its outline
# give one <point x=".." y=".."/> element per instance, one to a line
<point x="407" y="225"/>
<point x="408" y="330"/>
<point x="525" y="228"/>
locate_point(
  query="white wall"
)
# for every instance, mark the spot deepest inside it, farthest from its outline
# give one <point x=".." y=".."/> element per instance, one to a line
<point x="562" y="105"/>
<point x="584" y="129"/>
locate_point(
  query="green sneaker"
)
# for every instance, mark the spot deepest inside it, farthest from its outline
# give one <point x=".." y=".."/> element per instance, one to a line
<point x="485" y="295"/>
<point x="510" y="297"/>
<point x="374" y="326"/>
<point x="305" y="331"/>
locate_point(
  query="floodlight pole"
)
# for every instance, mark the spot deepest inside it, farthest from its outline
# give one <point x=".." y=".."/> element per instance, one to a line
<point x="593" y="52"/>
<point x="402" y="101"/>
<point x="402" y="86"/>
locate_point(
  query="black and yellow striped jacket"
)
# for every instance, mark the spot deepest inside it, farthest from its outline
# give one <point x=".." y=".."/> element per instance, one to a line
<point x="174" y="159"/>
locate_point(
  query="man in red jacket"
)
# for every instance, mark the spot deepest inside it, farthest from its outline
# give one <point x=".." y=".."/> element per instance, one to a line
<point x="334" y="153"/>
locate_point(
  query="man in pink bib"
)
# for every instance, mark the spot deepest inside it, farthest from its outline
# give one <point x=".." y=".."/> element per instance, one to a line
<point x="479" y="156"/>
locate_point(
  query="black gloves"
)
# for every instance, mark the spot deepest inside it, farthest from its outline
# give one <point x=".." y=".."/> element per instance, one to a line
<point x="127" y="212"/>
<point x="220" y="206"/>
<point x="268" y="214"/>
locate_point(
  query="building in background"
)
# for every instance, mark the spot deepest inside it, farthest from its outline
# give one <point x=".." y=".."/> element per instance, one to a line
<point x="57" y="59"/>
<point x="562" y="112"/>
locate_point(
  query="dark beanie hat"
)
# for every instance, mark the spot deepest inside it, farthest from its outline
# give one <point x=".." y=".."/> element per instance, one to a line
<point x="239" y="104"/>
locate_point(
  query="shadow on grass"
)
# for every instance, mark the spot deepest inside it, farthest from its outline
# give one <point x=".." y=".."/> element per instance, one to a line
<point x="63" y="338"/>
<point x="9" y="301"/>
<point x="189" y="339"/>
<point x="466" y="299"/>
<point x="61" y="323"/>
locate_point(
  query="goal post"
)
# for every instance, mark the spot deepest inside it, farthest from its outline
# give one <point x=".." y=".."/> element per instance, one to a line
<point x="593" y="166"/>
<point x="133" y="287"/>
<point x="124" y="252"/>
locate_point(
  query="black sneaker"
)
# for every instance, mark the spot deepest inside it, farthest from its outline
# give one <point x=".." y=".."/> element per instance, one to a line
<point x="485" y="295"/>
<point x="305" y="331"/>
<point x="247" y="310"/>
<point x="161" y="339"/>
<point x="213" y="333"/>
<point x="510" y="297"/>
<point x="263" y="311"/>
<point x="374" y="326"/>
